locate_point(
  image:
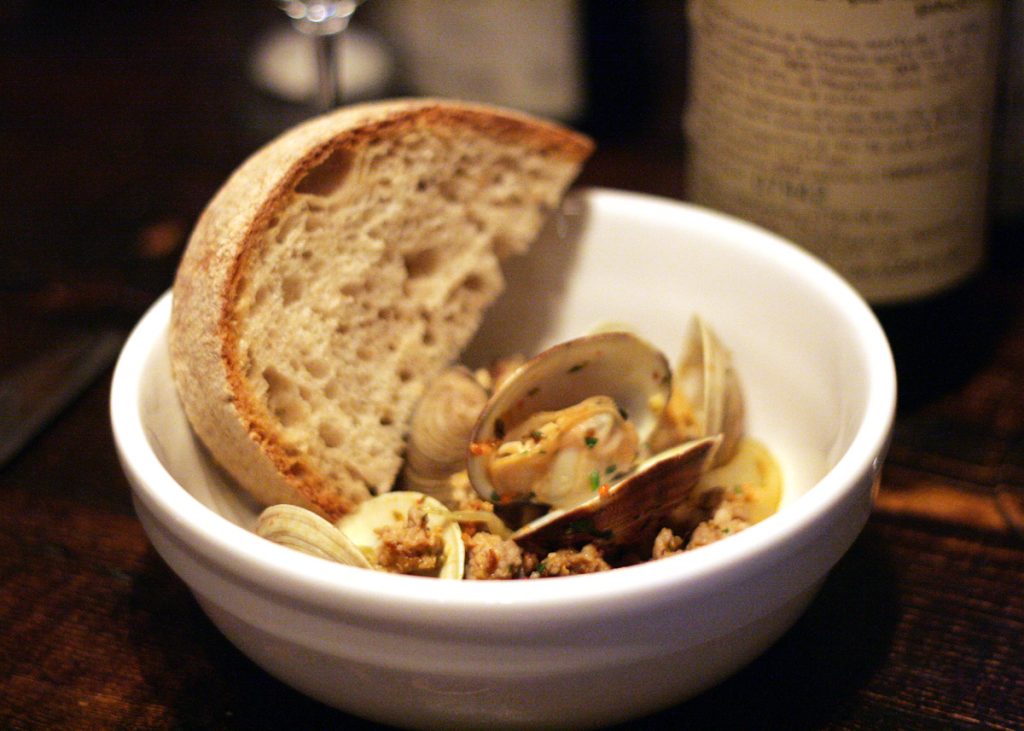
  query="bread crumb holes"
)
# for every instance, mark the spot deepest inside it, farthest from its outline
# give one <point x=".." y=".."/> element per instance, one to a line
<point x="421" y="263"/>
<point x="292" y="288"/>
<point x="327" y="177"/>
<point x="330" y="435"/>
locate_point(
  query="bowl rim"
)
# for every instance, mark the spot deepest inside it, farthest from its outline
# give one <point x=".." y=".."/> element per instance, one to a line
<point x="317" y="583"/>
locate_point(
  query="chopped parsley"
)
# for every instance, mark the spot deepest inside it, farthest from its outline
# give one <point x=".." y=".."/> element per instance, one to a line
<point x="577" y="367"/>
<point x="595" y="480"/>
<point x="590" y="441"/>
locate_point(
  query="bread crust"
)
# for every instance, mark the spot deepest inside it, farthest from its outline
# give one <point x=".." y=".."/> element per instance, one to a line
<point x="209" y="367"/>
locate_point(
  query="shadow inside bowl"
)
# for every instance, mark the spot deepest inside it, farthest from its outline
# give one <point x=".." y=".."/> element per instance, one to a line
<point x="817" y="668"/>
<point x="525" y="316"/>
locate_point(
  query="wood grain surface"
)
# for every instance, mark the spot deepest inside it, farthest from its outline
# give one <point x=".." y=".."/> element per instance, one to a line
<point x="115" y="128"/>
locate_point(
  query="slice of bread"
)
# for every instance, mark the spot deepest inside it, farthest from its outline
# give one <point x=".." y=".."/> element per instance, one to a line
<point x="337" y="271"/>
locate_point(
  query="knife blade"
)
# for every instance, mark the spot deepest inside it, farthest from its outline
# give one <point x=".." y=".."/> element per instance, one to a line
<point x="35" y="392"/>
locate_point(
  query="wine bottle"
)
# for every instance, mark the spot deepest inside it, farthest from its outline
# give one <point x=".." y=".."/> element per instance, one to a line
<point x="861" y="131"/>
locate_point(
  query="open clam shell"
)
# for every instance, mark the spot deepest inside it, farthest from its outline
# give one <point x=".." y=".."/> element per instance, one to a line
<point x="707" y="397"/>
<point x="619" y="366"/>
<point x="392" y="510"/>
<point x="724" y="407"/>
<point x="631" y="511"/>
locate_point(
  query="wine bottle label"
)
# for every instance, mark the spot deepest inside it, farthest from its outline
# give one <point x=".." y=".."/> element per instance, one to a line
<point x="860" y="130"/>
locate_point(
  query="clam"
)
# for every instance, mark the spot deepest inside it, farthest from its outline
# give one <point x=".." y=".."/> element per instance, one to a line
<point x="494" y="376"/>
<point x="753" y="474"/>
<point x="628" y="512"/>
<point x="305" y="531"/>
<point x="431" y="535"/>
<point x="569" y="419"/>
<point x="402" y="532"/>
<point x="439" y="432"/>
<point x="706" y="399"/>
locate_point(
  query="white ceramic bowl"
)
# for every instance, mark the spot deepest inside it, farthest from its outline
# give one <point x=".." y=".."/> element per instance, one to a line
<point x="582" y="650"/>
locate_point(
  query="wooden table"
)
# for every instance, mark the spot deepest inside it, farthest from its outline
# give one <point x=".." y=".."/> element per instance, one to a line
<point x="114" y="130"/>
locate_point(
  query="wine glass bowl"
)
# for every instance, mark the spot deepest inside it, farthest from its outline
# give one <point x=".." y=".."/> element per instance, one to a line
<point x="326" y="22"/>
<point x="319" y="18"/>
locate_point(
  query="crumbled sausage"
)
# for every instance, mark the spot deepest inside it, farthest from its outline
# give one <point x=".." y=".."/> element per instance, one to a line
<point x="723" y="523"/>
<point x="715" y="515"/>
<point x="490" y="557"/>
<point x="566" y="562"/>
<point x="412" y="547"/>
<point x="666" y="543"/>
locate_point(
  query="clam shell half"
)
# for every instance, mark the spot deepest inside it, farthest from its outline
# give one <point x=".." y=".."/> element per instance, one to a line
<point x="632" y="510"/>
<point x="392" y="509"/>
<point x="707" y="397"/>
<point x="305" y="531"/>
<point x="618" y="365"/>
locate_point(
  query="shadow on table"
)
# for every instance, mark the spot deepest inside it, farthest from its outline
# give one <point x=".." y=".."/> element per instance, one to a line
<point x="943" y="342"/>
<point x="192" y="677"/>
<point x="815" y="672"/>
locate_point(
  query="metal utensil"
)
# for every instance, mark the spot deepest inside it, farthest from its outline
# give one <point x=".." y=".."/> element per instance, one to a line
<point x="34" y="393"/>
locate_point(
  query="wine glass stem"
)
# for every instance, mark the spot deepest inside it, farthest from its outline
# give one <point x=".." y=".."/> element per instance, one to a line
<point x="328" y="75"/>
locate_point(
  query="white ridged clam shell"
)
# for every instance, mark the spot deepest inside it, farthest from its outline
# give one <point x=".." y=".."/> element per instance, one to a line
<point x="304" y="530"/>
<point x="439" y="433"/>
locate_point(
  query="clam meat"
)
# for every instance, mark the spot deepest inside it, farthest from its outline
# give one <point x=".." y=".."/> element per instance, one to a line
<point x="568" y="421"/>
<point x="560" y="457"/>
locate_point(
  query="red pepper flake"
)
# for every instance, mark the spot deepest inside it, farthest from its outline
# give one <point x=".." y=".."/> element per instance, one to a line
<point x="480" y="449"/>
<point x="604" y="490"/>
